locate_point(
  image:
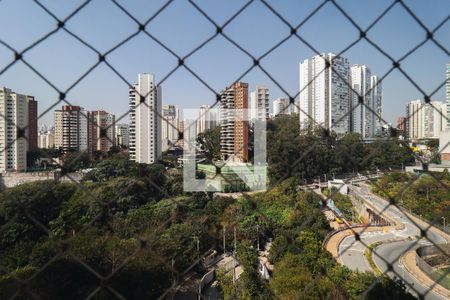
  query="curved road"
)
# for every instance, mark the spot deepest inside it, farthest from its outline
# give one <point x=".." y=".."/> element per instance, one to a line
<point x="351" y="252"/>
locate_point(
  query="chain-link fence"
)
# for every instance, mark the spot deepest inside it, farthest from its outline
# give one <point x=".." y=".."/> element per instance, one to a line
<point x="70" y="248"/>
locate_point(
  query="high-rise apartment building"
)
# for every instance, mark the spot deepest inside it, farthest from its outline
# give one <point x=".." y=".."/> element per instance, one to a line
<point x="14" y="107"/>
<point x="169" y="124"/>
<point x="233" y="122"/>
<point x="132" y="122"/>
<point x="447" y="93"/>
<point x="259" y="103"/>
<point x="46" y="138"/>
<point x="325" y="92"/>
<point x="424" y="121"/>
<point x="281" y="107"/>
<point x="71" y="128"/>
<point x="377" y="101"/>
<point x="181" y="129"/>
<point x="102" y="131"/>
<point x="145" y="120"/>
<point x="227" y="123"/>
<point x="32" y="123"/>
<point x="122" y="135"/>
<point x="361" y="116"/>
<point x="434" y="121"/>
<point x="401" y="125"/>
<point x="365" y="116"/>
<point x="414" y="119"/>
<point x="207" y="118"/>
<point x="295" y="108"/>
<point x="241" y="122"/>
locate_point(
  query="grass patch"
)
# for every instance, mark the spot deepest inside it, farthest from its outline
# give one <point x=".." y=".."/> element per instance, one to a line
<point x="443" y="277"/>
<point x="368" y="254"/>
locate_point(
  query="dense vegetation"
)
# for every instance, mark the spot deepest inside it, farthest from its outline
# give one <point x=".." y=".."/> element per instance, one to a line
<point x="308" y="154"/>
<point x="129" y="221"/>
<point x="427" y="195"/>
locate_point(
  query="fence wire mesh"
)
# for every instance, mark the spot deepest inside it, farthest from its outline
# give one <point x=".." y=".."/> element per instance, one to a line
<point x="180" y="274"/>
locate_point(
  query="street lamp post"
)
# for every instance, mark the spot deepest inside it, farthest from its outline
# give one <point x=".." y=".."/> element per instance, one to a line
<point x="198" y="246"/>
<point x="401" y="266"/>
<point x="223" y="237"/>
<point x="257" y="235"/>
<point x="172" y="271"/>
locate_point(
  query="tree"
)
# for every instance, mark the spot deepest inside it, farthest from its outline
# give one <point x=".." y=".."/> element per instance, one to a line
<point x="55" y="282"/>
<point x="292" y="153"/>
<point x="209" y="142"/>
<point x="117" y="165"/>
<point x="290" y="277"/>
<point x="32" y="157"/>
<point x="73" y="161"/>
<point x="225" y="281"/>
<point x="387" y="288"/>
<point x="250" y="283"/>
<point x="385" y="154"/>
<point x="278" y="249"/>
<point x="351" y="153"/>
<point x="23" y="205"/>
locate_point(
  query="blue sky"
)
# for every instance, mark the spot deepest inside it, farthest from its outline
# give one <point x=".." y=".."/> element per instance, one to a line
<point x="62" y="59"/>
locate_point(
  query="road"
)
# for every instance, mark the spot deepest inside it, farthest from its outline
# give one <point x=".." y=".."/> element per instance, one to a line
<point x="351" y="252"/>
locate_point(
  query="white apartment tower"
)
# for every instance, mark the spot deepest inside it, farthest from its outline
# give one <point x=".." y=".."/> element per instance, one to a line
<point x="365" y="118"/>
<point x="207" y="118"/>
<point x="145" y="120"/>
<point x="425" y="121"/>
<point x="325" y="92"/>
<point x="377" y="101"/>
<point x="46" y="139"/>
<point x="361" y="117"/>
<point x="14" y="108"/>
<point x="414" y="119"/>
<point x="447" y="93"/>
<point x="281" y="107"/>
<point x="434" y="121"/>
<point x="259" y="103"/>
<point x="71" y="128"/>
<point x="122" y="135"/>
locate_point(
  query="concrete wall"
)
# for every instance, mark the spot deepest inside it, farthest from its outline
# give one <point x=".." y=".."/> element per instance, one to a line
<point x="444" y="249"/>
<point x="207" y="278"/>
<point x="8" y="180"/>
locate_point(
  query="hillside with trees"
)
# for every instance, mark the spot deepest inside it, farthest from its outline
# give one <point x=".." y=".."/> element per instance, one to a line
<point x="128" y="222"/>
<point x="426" y="195"/>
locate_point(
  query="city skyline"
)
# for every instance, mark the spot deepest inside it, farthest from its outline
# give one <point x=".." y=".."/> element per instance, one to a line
<point x="104" y="90"/>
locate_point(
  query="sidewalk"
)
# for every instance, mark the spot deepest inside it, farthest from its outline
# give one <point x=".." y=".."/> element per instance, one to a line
<point x="409" y="261"/>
